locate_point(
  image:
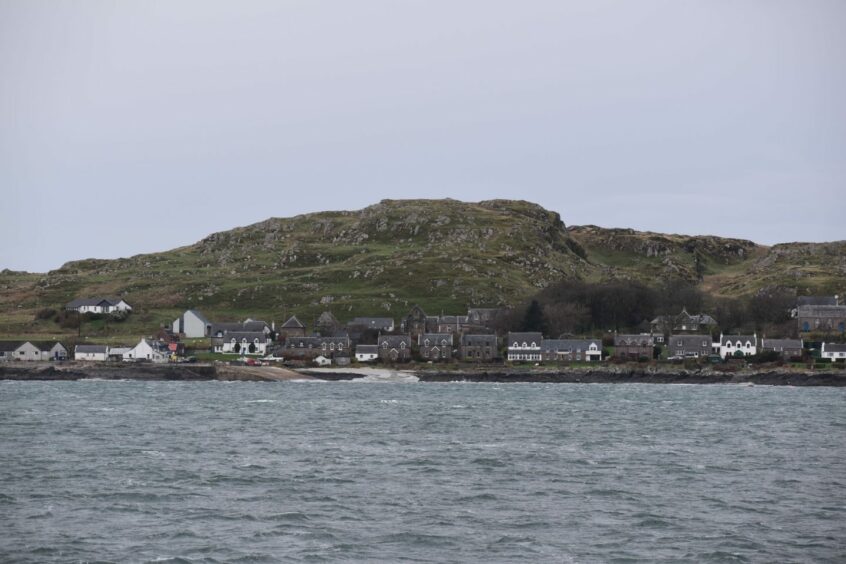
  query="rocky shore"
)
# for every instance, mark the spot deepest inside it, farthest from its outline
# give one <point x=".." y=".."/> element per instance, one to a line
<point x="768" y="376"/>
<point x="144" y="371"/>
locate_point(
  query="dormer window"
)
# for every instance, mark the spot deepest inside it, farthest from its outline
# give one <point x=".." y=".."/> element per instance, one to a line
<point x="402" y="345"/>
<point x="426" y="342"/>
<point x="524" y="344"/>
<point x="234" y="340"/>
<point x="332" y="346"/>
<point x="385" y="345"/>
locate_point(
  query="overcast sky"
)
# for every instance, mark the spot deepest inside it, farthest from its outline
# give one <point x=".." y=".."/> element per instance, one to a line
<point x="129" y="127"/>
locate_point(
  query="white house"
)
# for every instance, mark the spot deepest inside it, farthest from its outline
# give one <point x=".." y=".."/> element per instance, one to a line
<point x="242" y="342"/>
<point x="51" y="350"/>
<point x="19" y="350"/>
<point x="192" y="324"/>
<point x="366" y="353"/>
<point x="99" y="353"/>
<point x="833" y="351"/>
<point x="730" y="344"/>
<point x="145" y="350"/>
<point x="524" y="346"/>
<point x="98" y="305"/>
<point x="323" y="361"/>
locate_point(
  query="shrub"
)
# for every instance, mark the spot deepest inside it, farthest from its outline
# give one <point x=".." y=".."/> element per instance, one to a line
<point x="46" y="313"/>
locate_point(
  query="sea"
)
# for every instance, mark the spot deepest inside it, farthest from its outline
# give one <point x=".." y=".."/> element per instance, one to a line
<point x="129" y="471"/>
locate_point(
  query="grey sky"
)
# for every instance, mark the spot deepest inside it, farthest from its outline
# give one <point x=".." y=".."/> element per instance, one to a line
<point x="129" y="127"/>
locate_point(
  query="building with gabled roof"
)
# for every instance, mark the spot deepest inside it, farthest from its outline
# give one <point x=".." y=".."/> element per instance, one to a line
<point x="394" y="348"/>
<point x="730" y="345"/>
<point x="192" y="324"/>
<point x="571" y="350"/>
<point x="293" y="327"/>
<point x="478" y="348"/>
<point x="435" y="346"/>
<point x="524" y="346"/>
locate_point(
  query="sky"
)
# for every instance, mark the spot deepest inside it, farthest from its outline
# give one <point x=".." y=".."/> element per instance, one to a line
<point x="139" y="126"/>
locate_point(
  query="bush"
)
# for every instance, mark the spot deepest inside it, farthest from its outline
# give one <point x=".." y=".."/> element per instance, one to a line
<point x="46" y="313"/>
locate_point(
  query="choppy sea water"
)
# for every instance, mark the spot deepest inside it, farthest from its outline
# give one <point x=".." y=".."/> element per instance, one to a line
<point x="262" y="472"/>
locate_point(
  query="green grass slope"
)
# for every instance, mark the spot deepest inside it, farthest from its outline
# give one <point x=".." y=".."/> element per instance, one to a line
<point x="442" y="254"/>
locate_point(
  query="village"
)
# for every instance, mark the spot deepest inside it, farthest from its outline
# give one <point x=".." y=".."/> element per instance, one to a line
<point x="474" y="337"/>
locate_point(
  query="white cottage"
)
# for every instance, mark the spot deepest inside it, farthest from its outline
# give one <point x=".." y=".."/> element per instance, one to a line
<point x="833" y="351"/>
<point x="242" y="342"/>
<point x="96" y="353"/>
<point x="729" y="345"/>
<point x="145" y="350"/>
<point x="366" y="353"/>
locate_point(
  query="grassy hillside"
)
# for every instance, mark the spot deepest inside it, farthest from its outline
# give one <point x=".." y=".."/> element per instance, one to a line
<point x="442" y="254"/>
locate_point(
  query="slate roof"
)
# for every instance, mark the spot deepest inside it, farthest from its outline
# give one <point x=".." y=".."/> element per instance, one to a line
<point x="373" y="322"/>
<point x="822" y="311"/>
<point x="249" y="335"/>
<point x="102" y="349"/>
<point x="735" y="338"/>
<point x="781" y="344"/>
<point x="690" y="341"/>
<point x="555" y="345"/>
<point x="10" y="346"/>
<point x="395" y="340"/>
<point x="79" y="302"/>
<point x="531" y="337"/>
<point x="293" y="323"/>
<point x="435" y="338"/>
<point x="834" y="347"/>
<point x="634" y="340"/>
<point x="367" y="349"/>
<point x="478" y="340"/>
<point x="46" y="345"/>
<point x="816" y="301"/>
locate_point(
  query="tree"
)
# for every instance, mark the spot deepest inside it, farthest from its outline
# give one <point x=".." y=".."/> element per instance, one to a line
<point x="534" y="319"/>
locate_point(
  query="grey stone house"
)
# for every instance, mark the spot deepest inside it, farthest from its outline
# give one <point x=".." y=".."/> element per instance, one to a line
<point x="689" y="346"/>
<point x="435" y="346"/>
<point x="394" y="348"/>
<point x="634" y="346"/>
<point x="682" y="323"/>
<point x="787" y="348"/>
<point x="314" y="346"/>
<point x="374" y="323"/>
<point x="293" y="327"/>
<point x="824" y="318"/>
<point x="570" y="350"/>
<point x="478" y="348"/>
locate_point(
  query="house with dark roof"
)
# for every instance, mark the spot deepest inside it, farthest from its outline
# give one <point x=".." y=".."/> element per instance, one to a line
<point x="690" y="346"/>
<point x="571" y="350"/>
<point x="32" y="350"/>
<point x="633" y="347"/>
<point x="366" y="353"/>
<point x="310" y="347"/>
<point x="735" y="345"/>
<point x="823" y="318"/>
<point x="524" y="347"/>
<point x="682" y="322"/>
<point x="98" y="305"/>
<point x="435" y="346"/>
<point x="293" y="327"/>
<point x="394" y="348"/>
<point x="374" y="323"/>
<point x="478" y="348"/>
<point x="787" y="348"/>
<point x="97" y="353"/>
<point x="241" y="342"/>
<point x="836" y="352"/>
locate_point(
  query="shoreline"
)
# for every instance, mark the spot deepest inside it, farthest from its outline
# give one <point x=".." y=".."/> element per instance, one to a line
<point x="70" y="371"/>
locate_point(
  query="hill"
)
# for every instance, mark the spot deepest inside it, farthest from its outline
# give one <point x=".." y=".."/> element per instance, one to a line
<point x="443" y="254"/>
